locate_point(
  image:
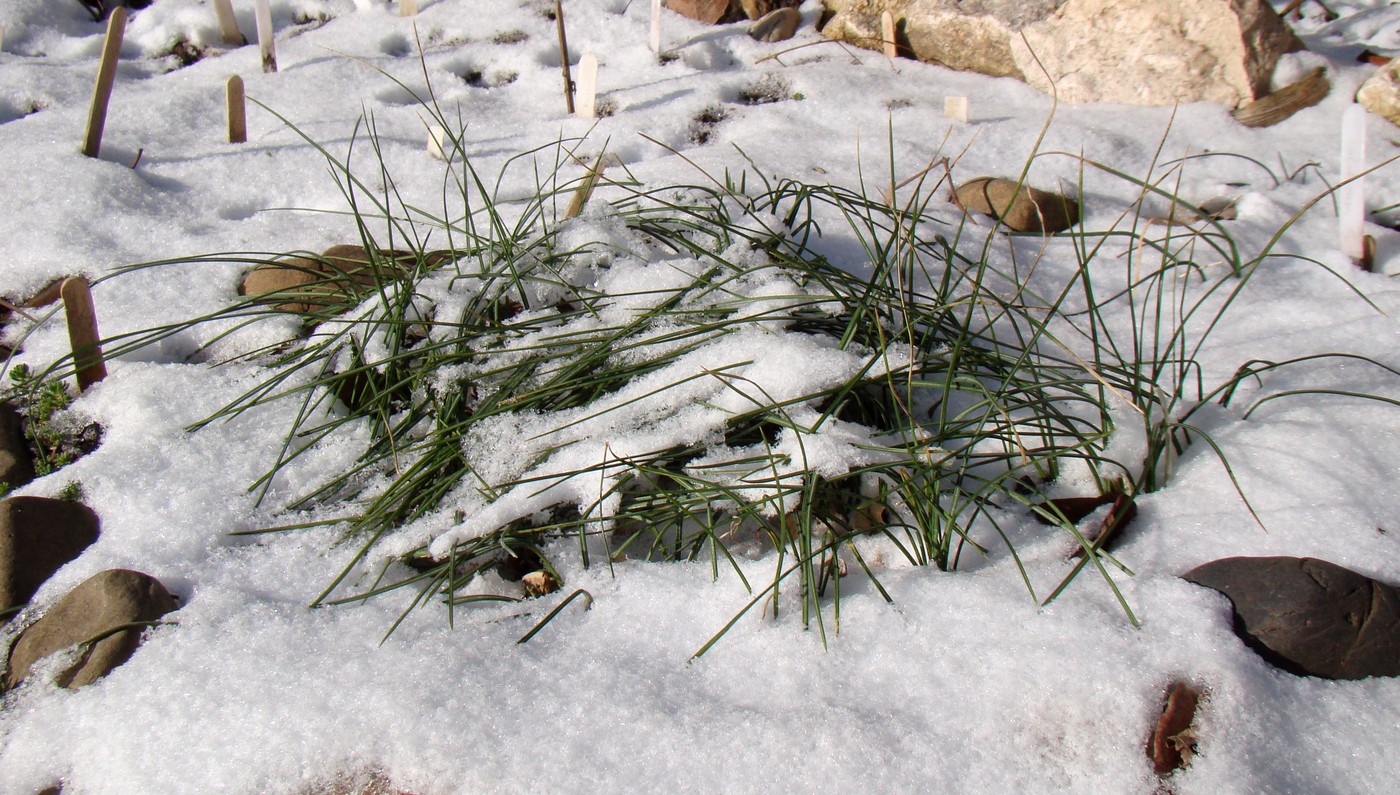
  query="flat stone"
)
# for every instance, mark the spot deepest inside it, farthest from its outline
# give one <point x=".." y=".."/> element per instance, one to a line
<point x="102" y="605"/>
<point x="777" y="25"/>
<point x="707" y="11"/>
<point x="343" y="272"/>
<point x="38" y="536"/>
<point x="1021" y="208"/>
<point x="16" y="464"/>
<point x="1310" y="617"/>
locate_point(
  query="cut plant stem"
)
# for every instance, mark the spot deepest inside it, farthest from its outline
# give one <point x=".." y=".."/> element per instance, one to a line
<point x="955" y="108"/>
<point x="1351" y="199"/>
<point x="587" y="106"/>
<point x="237" y="111"/>
<point x="437" y="136"/>
<point x="564" y="56"/>
<point x="887" y="34"/>
<point x="656" y="26"/>
<point x="228" y="24"/>
<point x="82" y="331"/>
<point x="263" y="14"/>
<point x="585" y="190"/>
<point x="106" y="76"/>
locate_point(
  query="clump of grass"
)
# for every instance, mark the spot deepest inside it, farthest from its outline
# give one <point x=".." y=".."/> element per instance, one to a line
<point x="56" y="438"/>
<point x="602" y="381"/>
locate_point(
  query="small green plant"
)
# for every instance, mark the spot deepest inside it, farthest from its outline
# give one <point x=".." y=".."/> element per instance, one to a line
<point x="56" y="438"/>
<point x="72" y="491"/>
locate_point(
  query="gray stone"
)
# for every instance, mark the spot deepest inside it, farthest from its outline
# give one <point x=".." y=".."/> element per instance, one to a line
<point x="1021" y="208"/>
<point x="38" y="536"/>
<point x="1150" y="52"/>
<point x="16" y="464"/>
<point x="1310" y="617"/>
<point x="776" y="25"/>
<point x="1380" y="94"/>
<point x="101" y="607"/>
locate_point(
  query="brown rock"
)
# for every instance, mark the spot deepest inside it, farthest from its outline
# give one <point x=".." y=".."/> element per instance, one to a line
<point x="707" y="11"/>
<point x="37" y="537"/>
<point x="777" y="25"/>
<point x="342" y="273"/>
<point x="97" y="612"/>
<point x="16" y="464"/>
<point x="1310" y="617"/>
<point x="758" y="9"/>
<point x="1020" y="207"/>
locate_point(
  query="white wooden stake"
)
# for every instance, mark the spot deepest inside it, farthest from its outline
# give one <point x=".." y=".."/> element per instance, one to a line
<point x="656" y="26"/>
<point x="887" y="34"/>
<point x="228" y="24"/>
<point x="263" y="14"/>
<point x="106" y="76"/>
<point x="82" y="329"/>
<point x="408" y="8"/>
<point x="237" y="111"/>
<point x="587" y="86"/>
<point x="437" y="139"/>
<point x="955" y="108"/>
<point x="1351" y="198"/>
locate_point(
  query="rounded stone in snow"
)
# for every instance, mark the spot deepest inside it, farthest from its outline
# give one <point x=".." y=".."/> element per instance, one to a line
<point x="38" y="536"/>
<point x="16" y="465"/>
<point x="1020" y="207"/>
<point x="1310" y="617"/>
<point x="778" y="25"/>
<point x="99" y="613"/>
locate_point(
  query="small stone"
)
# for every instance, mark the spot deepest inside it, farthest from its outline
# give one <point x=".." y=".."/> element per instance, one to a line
<point x="287" y="280"/>
<point x="707" y="11"/>
<point x="1310" y="617"/>
<point x="539" y="583"/>
<point x="16" y="464"/>
<point x="38" y="536"/>
<point x="758" y="9"/>
<point x="777" y="25"/>
<point x="105" y="603"/>
<point x="1380" y="94"/>
<point x="1020" y="207"/>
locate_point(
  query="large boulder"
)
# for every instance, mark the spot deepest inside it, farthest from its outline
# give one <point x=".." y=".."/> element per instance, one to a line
<point x="1149" y="52"/>
<point x="1309" y="616"/>
<point x="1380" y="94"/>
<point x="108" y="613"/>
<point x="37" y="537"/>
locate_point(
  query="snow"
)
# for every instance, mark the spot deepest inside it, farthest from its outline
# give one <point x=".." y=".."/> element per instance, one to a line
<point x="964" y="684"/>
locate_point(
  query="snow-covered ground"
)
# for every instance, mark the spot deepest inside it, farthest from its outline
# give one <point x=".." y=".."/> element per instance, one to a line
<point x="964" y="684"/>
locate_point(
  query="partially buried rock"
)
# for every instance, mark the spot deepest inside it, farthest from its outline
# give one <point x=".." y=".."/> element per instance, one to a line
<point x="1019" y="206"/>
<point x="758" y="9"/>
<point x="779" y="25"/>
<point x="1310" y="617"/>
<point x="16" y="464"/>
<point x="342" y="273"/>
<point x="707" y="11"/>
<point x="1380" y="94"/>
<point x="37" y="537"/>
<point x="107" y="614"/>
